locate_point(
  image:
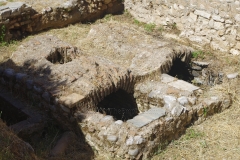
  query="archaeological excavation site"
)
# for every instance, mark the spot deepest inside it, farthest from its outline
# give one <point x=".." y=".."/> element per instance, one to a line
<point x="118" y="89"/>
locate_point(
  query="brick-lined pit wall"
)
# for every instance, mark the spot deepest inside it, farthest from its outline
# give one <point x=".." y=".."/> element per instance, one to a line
<point x="19" y="18"/>
<point x="213" y="23"/>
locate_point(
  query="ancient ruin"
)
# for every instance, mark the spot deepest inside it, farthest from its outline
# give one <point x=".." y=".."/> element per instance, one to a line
<point x="126" y="93"/>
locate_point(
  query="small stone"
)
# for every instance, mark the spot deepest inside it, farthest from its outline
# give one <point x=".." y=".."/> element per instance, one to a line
<point x="129" y="141"/>
<point x="169" y="99"/>
<point x="201" y="64"/>
<point x="138" y="140"/>
<point x="112" y="138"/>
<point x="119" y="122"/>
<point x="9" y="73"/>
<point x="197" y="68"/>
<point x="165" y="78"/>
<point x="234" y="52"/>
<point x="195" y="73"/>
<point x="182" y="85"/>
<point x="183" y="100"/>
<point x="176" y="111"/>
<point x="107" y="118"/>
<point x="133" y="151"/>
<point x="65" y="109"/>
<point x="192" y="100"/>
<point x="232" y="76"/>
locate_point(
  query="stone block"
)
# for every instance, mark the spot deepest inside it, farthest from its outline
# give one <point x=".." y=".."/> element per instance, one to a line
<point x="165" y="78"/>
<point x="5" y="13"/>
<point x="71" y="100"/>
<point x="182" y="85"/>
<point x="202" y="14"/>
<point x="218" y="25"/>
<point x="218" y="18"/>
<point x="147" y="117"/>
<point x="234" y="52"/>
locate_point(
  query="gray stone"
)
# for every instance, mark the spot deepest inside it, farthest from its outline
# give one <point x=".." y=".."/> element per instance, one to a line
<point x="133" y="151"/>
<point x="182" y="85"/>
<point x="202" y="14"/>
<point x="177" y="110"/>
<point x="112" y="138"/>
<point x="9" y="73"/>
<point x="232" y="76"/>
<point x="107" y="119"/>
<point x="138" y="140"/>
<point x="197" y="68"/>
<point x="129" y="141"/>
<point x="165" y="78"/>
<point x="169" y="99"/>
<point x="119" y="122"/>
<point x="201" y="64"/>
<point x="147" y="117"/>
<point x="183" y="100"/>
<point x="218" y="18"/>
<point x="140" y="121"/>
<point x="234" y="52"/>
<point x="155" y="113"/>
<point x="195" y="73"/>
<point x="65" y="109"/>
<point x="20" y="77"/>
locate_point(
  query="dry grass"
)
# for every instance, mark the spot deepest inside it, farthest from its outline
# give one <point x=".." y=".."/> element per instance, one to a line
<point x="220" y="139"/>
<point x="219" y="136"/>
<point x="11" y="147"/>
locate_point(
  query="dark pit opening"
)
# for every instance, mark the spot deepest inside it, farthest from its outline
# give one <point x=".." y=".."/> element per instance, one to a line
<point x="181" y="70"/>
<point x="10" y="114"/>
<point x="120" y="104"/>
<point x="61" y="55"/>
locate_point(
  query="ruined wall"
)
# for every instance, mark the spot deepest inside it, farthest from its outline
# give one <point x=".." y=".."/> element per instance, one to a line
<point x="213" y="23"/>
<point x="19" y="18"/>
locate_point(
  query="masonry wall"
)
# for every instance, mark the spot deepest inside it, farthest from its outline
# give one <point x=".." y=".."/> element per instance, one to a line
<point x="205" y="23"/>
<point x="20" y="19"/>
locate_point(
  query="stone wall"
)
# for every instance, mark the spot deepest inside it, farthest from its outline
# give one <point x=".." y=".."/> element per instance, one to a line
<point x="204" y="23"/>
<point x="19" y="18"/>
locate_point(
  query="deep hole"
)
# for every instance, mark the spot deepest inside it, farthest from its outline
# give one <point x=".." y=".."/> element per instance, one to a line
<point x="10" y="114"/>
<point x="181" y="70"/>
<point x="120" y="104"/>
<point x="55" y="57"/>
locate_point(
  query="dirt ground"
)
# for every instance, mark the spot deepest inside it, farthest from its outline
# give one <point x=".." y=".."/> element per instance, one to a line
<point x="216" y="138"/>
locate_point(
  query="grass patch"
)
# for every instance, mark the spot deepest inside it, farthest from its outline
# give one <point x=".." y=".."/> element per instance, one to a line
<point x="149" y="27"/>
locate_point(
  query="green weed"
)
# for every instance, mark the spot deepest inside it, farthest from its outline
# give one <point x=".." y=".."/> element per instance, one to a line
<point x="198" y="54"/>
<point x="192" y="134"/>
<point x="137" y="22"/>
<point x="205" y="111"/>
<point x="149" y="27"/>
<point x="108" y="17"/>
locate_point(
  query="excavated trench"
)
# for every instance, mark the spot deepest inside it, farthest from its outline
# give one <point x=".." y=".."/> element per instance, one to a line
<point x="10" y="114"/>
<point x="120" y="104"/>
<point x="181" y="70"/>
